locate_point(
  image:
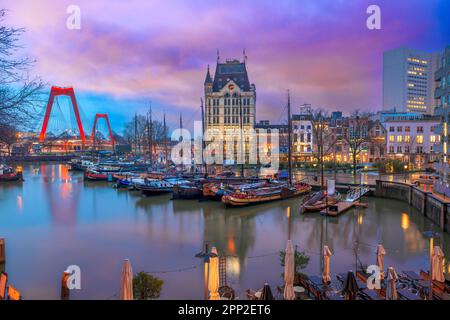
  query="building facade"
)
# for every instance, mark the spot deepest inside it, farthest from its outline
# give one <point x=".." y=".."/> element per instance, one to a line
<point x="408" y="80"/>
<point x="230" y="102"/>
<point x="412" y="140"/>
<point x="442" y="95"/>
<point x="302" y="138"/>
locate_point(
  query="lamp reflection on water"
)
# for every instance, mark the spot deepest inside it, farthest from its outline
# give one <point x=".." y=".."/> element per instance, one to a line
<point x="360" y="218"/>
<point x="405" y="221"/>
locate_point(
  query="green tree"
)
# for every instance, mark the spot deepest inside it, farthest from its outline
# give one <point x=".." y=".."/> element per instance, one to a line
<point x="146" y="286"/>
<point x="301" y="260"/>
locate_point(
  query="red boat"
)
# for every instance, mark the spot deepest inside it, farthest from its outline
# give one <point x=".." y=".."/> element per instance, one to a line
<point x="7" y="174"/>
<point x="96" y="176"/>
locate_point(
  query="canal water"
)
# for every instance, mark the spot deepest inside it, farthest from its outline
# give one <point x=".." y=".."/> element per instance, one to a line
<point x="54" y="219"/>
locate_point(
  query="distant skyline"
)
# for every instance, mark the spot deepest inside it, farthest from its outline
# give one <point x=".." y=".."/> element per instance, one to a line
<point x="129" y="53"/>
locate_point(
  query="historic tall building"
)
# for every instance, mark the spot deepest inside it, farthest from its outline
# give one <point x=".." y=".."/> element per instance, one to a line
<point x="230" y="98"/>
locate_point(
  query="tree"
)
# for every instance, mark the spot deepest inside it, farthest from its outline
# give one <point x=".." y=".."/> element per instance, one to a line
<point x="301" y="261"/>
<point x="323" y="137"/>
<point x="356" y="135"/>
<point x="8" y="136"/>
<point x="19" y="94"/>
<point x="146" y="286"/>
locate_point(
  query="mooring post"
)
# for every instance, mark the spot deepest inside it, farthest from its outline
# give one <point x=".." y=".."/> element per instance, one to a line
<point x="2" y="251"/>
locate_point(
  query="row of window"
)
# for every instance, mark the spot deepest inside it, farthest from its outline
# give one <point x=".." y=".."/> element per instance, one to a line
<point x="229" y="120"/>
<point x="406" y="149"/>
<point x="229" y="102"/>
<point x="419" y="139"/>
<point x="302" y="127"/>
<point x="419" y="129"/>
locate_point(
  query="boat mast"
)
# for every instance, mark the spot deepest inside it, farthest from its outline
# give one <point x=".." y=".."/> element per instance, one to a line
<point x="166" y="154"/>
<point x="242" y="142"/>
<point x="203" y="135"/>
<point x="289" y="138"/>
<point x="135" y="134"/>
<point x="150" y="134"/>
<point x="180" y="140"/>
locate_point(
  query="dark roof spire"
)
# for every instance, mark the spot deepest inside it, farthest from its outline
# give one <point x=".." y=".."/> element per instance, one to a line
<point x="208" y="78"/>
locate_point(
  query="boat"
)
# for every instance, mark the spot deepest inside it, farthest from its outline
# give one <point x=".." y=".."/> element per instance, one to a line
<point x="192" y="190"/>
<point x="317" y="202"/>
<point x="80" y="164"/>
<point x="216" y="190"/>
<point x="8" y="174"/>
<point x="265" y="194"/>
<point x="93" y="175"/>
<point x="151" y="187"/>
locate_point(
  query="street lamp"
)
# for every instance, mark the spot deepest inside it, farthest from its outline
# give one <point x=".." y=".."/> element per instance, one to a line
<point x="406" y="168"/>
<point x="206" y="255"/>
<point x="430" y="235"/>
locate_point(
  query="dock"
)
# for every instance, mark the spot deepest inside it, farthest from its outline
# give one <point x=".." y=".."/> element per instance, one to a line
<point x="342" y="207"/>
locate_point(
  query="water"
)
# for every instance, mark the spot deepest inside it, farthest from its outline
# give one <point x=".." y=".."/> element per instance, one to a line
<point x="55" y="219"/>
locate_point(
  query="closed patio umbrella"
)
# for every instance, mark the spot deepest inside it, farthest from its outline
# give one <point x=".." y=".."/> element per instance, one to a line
<point x="213" y="281"/>
<point x="380" y="253"/>
<point x="350" y="286"/>
<point x="326" y="262"/>
<point x="289" y="272"/>
<point x="437" y="262"/>
<point x="126" y="285"/>
<point x="391" y="288"/>
<point x="266" y="293"/>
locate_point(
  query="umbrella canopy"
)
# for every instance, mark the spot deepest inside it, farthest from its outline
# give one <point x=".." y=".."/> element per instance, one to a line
<point x="289" y="272"/>
<point x="391" y="288"/>
<point x="213" y="281"/>
<point x="380" y="253"/>
<point x="437" y="263"/>
<point x="326" y="262"/>
<point x="266" y="293"/>
<point x="126" y="286"/>
<point x="350" y="286"/>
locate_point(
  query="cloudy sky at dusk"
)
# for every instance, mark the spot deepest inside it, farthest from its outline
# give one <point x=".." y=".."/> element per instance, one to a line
<point x="130" y="52"/>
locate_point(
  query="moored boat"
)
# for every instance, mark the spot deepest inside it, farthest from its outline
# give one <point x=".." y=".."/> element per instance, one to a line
<point x="151" y="187"/>
<point x="265" y="194"/>
<point x="317" y="202"/>
<point x="8" y="174"/>
<point x="188" y="191"/>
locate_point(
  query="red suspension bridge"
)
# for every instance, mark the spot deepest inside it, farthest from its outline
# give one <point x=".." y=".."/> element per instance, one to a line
<point x="55" y="92"/>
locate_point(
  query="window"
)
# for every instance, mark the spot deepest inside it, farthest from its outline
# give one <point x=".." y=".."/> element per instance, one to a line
<point x="407" y="129"/>
<point x="407" y="139"/>
<point x="391" y="129"/>
<point x="406" y="149"/>
<point x="399" y="129"/>
<point x="391" y="138"/>
<point x="391" y="149"/>
<point x="419" y="139"/>
<point x="432" y="138"/>
<point x="419" y="129"/>
<point x="308" y="137"/>
<point x="399" y="149"/>
<point x="399" y="139"/>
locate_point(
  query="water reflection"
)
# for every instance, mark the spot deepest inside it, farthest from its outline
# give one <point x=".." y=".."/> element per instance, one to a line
<point x="61" y="220"/>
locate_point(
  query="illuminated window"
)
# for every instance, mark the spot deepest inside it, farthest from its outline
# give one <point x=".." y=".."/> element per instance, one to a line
<point x="399" y="138"/>
<point x="391" y="138"/>
<point x="407" y="139"/>
<point x="432" y="138"/>
<point x="419" y="139"/>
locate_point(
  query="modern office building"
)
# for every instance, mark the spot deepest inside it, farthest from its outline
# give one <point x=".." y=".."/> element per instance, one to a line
<point x="408" y="80"/>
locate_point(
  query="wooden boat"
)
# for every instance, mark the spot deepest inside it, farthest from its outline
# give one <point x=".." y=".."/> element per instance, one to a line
<point x="188" y="191"/>
<point x="216" y="190"/>
<point x="93" y="175"/>
<point x="265" y="194"/>
<point x="151" y="187"/>
<point x="317" y="202"/>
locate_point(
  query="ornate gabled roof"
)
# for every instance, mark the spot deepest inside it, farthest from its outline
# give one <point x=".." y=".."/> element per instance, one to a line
<point x="231" y="70"/>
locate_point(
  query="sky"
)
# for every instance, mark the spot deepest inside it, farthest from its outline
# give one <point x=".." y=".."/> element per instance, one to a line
<point x="130" y="53"/>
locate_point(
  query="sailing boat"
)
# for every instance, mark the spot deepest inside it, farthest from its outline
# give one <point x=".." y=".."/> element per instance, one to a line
<point x="277" y="190"/>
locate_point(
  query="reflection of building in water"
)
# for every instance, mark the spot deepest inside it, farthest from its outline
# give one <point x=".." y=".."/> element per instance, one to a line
<point x="62" y="193"/>
<point x="233" y="235"/>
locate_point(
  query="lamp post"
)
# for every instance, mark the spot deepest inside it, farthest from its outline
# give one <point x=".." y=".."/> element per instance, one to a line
<point x="406" y="168"/>
<point x="206" y="255"/>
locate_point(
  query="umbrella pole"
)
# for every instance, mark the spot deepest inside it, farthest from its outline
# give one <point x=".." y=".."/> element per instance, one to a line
<point x="430" y="293"/>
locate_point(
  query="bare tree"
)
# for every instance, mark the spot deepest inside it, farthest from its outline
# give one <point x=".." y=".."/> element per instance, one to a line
<point x="136" y="132"/>
<point x="323" y="137"/>
<point x="8" y="136"/>
<point x="20" y="95"/>
<point x="356" y="135"/>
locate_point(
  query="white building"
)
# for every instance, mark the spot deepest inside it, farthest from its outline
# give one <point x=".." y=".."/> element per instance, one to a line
<point x="408" y="80"/>
<point x="302" y="141"/>
<point x="412" y="139"/>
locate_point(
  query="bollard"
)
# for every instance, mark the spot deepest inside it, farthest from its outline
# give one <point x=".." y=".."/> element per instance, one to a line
<point x="2" y="251"/>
